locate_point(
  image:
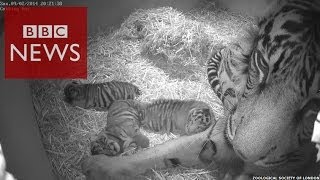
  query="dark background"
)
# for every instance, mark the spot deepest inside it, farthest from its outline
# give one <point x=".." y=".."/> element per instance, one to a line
<point x="110" y="13"/>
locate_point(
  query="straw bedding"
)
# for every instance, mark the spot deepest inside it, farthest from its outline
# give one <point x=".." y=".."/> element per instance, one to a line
<point x="163" y="52"/>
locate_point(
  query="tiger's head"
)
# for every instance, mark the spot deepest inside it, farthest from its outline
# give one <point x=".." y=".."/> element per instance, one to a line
<point x="199" y="119"/>
<point x="263" y="128"/>
<point x="106" y="144"/>
<point x="114" y="140"/>
<point x="75" y="94"/>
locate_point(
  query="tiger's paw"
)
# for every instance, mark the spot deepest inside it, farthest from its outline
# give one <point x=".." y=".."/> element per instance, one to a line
<point x="199" y="120"/>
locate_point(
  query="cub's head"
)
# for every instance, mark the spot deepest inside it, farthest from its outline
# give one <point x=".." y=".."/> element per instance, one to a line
<point x="114" y="140"/>
<point x="75" y="94"/>
<point x="107" y="144"/>
<point x="199" y="119"/>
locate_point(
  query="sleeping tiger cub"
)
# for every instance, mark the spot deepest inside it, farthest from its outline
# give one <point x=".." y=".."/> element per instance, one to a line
<point x="122" y="132"/>
<point x="164" y="116"/>
<point x="184" y="117"/>
<point x="99" y="96"/>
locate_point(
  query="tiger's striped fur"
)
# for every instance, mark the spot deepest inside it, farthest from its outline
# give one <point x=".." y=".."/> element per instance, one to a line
<point x="125" y="117"/>
<point x="122" y="131"/>
<point x="184" y="117"/>
<point x="261" y="131"/>
<point x="269" y="91"/>
<point x="227" y="69"/>
<point x="99" y="96"/>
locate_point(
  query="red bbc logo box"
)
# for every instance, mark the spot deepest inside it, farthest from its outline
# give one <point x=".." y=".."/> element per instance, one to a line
<point x="45" y="42"/>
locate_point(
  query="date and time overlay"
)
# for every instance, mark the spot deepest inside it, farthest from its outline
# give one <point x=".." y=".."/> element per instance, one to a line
<point x="4" y="4"/>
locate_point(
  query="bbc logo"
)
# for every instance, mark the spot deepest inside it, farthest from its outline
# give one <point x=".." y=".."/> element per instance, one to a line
<point x="45" y="31"/>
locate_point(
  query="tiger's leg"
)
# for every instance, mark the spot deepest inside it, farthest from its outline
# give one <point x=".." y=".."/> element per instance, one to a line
<point x="182" y="151"/>
<point x="219" y="151"/>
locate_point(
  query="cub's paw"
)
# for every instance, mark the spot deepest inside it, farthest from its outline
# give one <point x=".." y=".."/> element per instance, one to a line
<point x="199" y="120"/>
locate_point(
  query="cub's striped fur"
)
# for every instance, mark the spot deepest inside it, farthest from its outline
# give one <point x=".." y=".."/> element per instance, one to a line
<point x="262" y="133"/>
<point x="269" y="89"/>
<point x="122" y="131"/>
<point x="125" y="117"/>
<point x="183" y="117"/>
<point x="99" y="96"/>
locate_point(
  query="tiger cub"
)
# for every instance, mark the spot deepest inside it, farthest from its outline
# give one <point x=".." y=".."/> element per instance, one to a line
<point x="125" y="117"/>
<point x="184" y="117"/>
<point x="99" y="96"/>
<point x="122" y="132"/>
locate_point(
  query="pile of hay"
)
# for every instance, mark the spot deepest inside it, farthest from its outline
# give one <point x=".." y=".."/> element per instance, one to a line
<point x="163" y="52"/>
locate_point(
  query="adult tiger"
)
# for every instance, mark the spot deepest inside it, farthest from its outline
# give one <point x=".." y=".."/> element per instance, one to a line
<point x="269" y="88"/>
<point x="125" y="117"/>
<point x="262" y="131"/>
<point x="99" y="96"/>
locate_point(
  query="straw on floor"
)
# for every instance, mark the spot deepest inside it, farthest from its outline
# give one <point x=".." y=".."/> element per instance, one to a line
<point x="163" y="52"/>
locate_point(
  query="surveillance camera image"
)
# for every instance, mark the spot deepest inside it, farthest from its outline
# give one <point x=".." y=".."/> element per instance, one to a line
<point x="160" y="90"/>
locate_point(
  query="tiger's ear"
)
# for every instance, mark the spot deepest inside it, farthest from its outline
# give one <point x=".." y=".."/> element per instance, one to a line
<point x="258" y="73"/>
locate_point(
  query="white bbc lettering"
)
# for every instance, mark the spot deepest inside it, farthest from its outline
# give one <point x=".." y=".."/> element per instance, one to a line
<point x="60" y="31"/>
<point x="45" y="31"/>
<point x="29" y="31"/>
<point x="23" y="56"/>
<point x="72" y="49"/>
<point x="54" y="49"/>
<point x="33" y="52"/>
